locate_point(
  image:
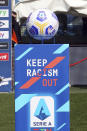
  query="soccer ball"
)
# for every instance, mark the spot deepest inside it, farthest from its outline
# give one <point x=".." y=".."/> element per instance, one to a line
<point x="42" y="24"/>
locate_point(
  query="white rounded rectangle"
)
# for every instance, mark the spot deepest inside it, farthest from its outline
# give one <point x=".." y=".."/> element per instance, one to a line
<point x="42" y="112"/>
<point x="4" y="24"/>
<point x="4" y="34"/>
<point x="4" y="13"/>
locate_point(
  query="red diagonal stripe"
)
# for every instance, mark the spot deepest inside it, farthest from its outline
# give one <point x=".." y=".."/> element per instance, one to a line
<point x="36" y="129"/>
<point x="30" y="82"/>
<point x="35" y="79"/>
<point x="54" y="62"/>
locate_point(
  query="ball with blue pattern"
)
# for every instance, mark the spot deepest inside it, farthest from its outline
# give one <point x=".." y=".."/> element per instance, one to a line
<point x="42" y="24"/>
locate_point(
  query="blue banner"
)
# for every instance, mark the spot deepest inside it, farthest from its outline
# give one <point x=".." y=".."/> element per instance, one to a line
<point x="5" y="45"/>
<point x="42" y="87"/>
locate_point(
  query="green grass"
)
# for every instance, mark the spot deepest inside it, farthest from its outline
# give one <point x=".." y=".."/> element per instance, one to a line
<point x="7" y="117"/>
<point x="78" y="105"/>
<point x="78" y="90"/>
<point x="78" y="115"/>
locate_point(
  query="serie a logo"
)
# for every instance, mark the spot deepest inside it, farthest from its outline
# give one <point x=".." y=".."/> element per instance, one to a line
<point x="42" y="112"/>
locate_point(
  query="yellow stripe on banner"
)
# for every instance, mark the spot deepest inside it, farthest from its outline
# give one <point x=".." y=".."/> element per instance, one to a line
<point x="41" y="26"/>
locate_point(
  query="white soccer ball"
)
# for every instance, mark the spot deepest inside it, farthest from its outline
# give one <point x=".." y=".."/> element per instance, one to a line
<point x="42" y="24"/>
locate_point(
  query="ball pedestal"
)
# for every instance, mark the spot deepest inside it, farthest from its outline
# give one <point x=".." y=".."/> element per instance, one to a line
<point x="42" y="87"/>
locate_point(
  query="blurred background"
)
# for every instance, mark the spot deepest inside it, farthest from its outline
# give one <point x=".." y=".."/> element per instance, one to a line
<point x="72" y="16"/>
<point x="72" y="29"/>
